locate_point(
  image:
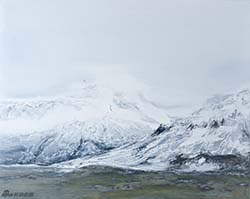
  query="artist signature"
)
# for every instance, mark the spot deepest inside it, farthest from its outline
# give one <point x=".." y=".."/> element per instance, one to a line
<point x="7" y="193"/>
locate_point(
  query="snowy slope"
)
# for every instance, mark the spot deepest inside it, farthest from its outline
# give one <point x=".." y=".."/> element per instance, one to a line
<point x="217" y="136"/>
<point x="87" y="119"/>
<point x="92" y="124"/>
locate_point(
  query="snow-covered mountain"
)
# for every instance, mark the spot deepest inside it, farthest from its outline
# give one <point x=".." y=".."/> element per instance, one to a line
<point x="96" y="125"/>
<point x="217" y="136"/>
<point x="88" y="119"/>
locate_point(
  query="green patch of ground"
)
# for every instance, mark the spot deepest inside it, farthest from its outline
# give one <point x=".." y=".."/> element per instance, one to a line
<point x="110" y="183"/>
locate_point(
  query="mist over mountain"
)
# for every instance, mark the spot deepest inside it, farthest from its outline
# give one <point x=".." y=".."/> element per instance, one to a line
<point x="93" y="124"/>
<point x="89" y="118"/>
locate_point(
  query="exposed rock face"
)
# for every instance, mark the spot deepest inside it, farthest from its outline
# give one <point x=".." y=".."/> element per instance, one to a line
<point x="160" y="130"/>
<point x="229" y="163"/>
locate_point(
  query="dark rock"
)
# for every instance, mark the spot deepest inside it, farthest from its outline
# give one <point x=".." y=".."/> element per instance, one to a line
<point x="179" y="160"/>
<point x="204" y="125"/>
<point x="222" y="122"/>
<point x="214" y="124"/>
<point x="190" y="127"/>
<point x="161" y="129"/>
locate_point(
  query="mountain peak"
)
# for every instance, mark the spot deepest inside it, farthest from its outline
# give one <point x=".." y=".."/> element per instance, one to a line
<point x="117" y="128"/>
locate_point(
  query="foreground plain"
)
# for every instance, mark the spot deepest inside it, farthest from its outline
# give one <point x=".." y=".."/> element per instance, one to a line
<point x="112" y="183"/>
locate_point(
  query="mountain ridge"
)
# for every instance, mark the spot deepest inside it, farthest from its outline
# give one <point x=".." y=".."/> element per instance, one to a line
<point x="118" y="130"/>
<point x="216" y="137"/>
<point x="87" y="120"/>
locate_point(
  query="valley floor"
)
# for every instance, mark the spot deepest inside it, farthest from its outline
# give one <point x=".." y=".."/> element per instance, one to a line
<point x="109" y="183"/>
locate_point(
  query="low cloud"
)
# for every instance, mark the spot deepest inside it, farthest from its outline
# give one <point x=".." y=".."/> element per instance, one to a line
<point x="185" y="50"/>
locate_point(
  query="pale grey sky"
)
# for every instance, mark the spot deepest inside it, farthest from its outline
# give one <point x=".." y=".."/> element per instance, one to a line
<point x="186" y="49"/>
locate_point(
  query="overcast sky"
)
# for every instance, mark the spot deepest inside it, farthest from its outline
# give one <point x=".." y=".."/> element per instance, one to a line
<point x="185" y="49"/>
